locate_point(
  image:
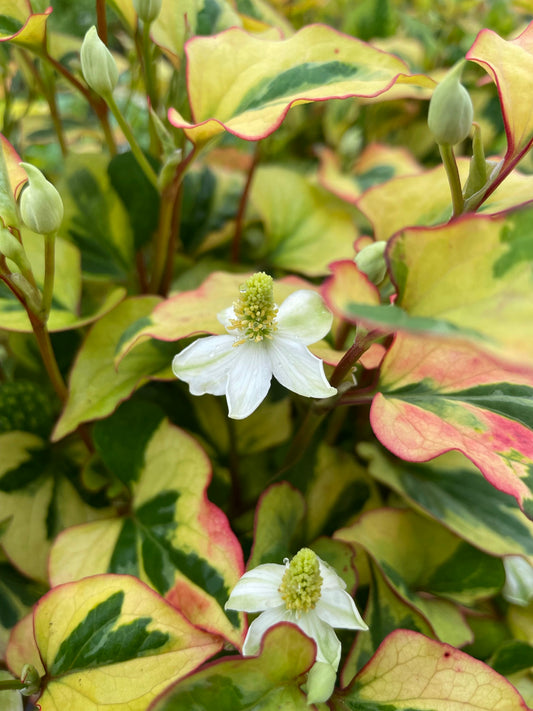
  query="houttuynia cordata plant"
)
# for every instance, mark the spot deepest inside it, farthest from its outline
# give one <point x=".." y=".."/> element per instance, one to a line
<point x="266" y="355"/>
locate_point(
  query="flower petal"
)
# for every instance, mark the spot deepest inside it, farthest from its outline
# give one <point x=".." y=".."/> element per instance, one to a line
<point x="205" y="364"/>
<point x="304" y="317"/>
<point x="328" y="647"/>
<point x="337" y="608"/>
<point x="258" y="589"/>
<point x="259" y="626"/>
<point x="297" y="368"/>
<point x="249" y="379"/>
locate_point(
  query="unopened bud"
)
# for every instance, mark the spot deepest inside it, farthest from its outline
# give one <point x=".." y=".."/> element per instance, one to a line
<point x="450" y="109"/>
<point x="147" y="10"/>
<point x="31" y="680"/>
<point x="371" y="261"/>
<point x="11" y="248"/>
<point x="41" y="207"/>
<point x="97" y="64"/>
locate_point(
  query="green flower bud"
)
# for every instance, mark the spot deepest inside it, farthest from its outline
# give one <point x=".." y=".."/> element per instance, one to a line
<point x="97" y="64"/>
<point x="31" y="680"/>
<point x="371" y="261"/>
<point x="11" y="248"/>
<point x="450" y="109"/>
<point x="41" y="207"/>
<point x="147" y="10"/>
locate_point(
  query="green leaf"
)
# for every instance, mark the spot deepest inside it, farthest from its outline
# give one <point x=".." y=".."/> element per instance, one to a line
<point x="445" y="488"/>
<point x="70" y="307"/>
<point x="435" y="397"/>
<point x="32" y="34"/>
<point x="427" y="566"/>
<point x="138" y="195"/>
<point x="385" y="613"/>
<point x="174" y="538"/>
<point x="111" y="640"/>
<point x="410" y="672"/>
<point x="474" y="273"/>
<point x="278" y="519"/>
<point x="510" y="64"/>
<point x="305" y="228"/>
<point x="269" y="681"/>
<point x="95" y="217"/>
<point x="95" y="386"/>
<point x="17" y="595"/>
<point x="251" y="95"/>
<point x="39" y="496"/>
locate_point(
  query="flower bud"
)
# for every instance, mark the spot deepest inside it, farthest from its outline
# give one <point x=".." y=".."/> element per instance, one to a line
<point x="12" y="249"/>
<point x="41" y="207"/>
<point x="31" y="680"/>
<point x="147" y="10"/>
<point x="97" y="64"/>
<point x="371" y="261"/>
<point x="450" y="109"/>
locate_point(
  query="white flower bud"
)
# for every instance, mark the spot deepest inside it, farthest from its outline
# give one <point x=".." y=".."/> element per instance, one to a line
<point x="451" y="112"/>
<point x="147" y="10"/>
<point x="41" y="207"/>
<point x="97" y="64"/>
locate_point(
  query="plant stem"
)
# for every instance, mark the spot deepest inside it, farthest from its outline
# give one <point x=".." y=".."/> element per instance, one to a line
<point x="239" y="220"/>
<point x="452" y="173"/>
<point x="150" y="81"/>
<point x="47" y="354"/>
<point x="96" y="102"/>
<point x="135" y="148"/>
<point x="101" y="21"/>
<point x="7" y="684"/>
<point x="168" y="219"/>
<point x="49" y="269"/>
<point x="362" y="342"/>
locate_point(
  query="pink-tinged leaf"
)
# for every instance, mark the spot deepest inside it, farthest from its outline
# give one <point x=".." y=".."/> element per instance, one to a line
<point x="271" y="681"/>
<point x="22" y="648"/>
<point x="376" y="164"/>
<point x="176" y="540"/>
<point x="245" y="84"/>
<point x="410" y="671"/>
<point x="111" y="642"/>
<point x="32" y="33"/>
<point x="469" y="280"/>
<point x="510" y="64"/>
<point x="436" y="396"/>
<point x="195" y="312"/>
<point x="348" y="285"/>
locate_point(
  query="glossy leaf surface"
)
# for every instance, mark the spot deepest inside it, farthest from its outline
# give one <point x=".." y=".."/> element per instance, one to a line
<point x="111" y="641"/>
<point x="246" y="85"/>
<point x="174" y="539"/>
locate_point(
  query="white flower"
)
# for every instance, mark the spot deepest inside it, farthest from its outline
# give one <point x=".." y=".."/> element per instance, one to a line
<point x="306" y="592"/>
<point x="262" y="341"/>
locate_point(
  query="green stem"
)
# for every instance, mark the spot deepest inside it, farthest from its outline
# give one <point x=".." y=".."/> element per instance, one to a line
<point x="168" y="216"/>
<point x="7" y="684"/>
<point x="49" y="269"/>
<point x="96" y="102"/>
<point x="452" y="173"/>
<point x="48" y="357"/>
<point x="150" y="81"/>
<point x="135" y="148"/>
